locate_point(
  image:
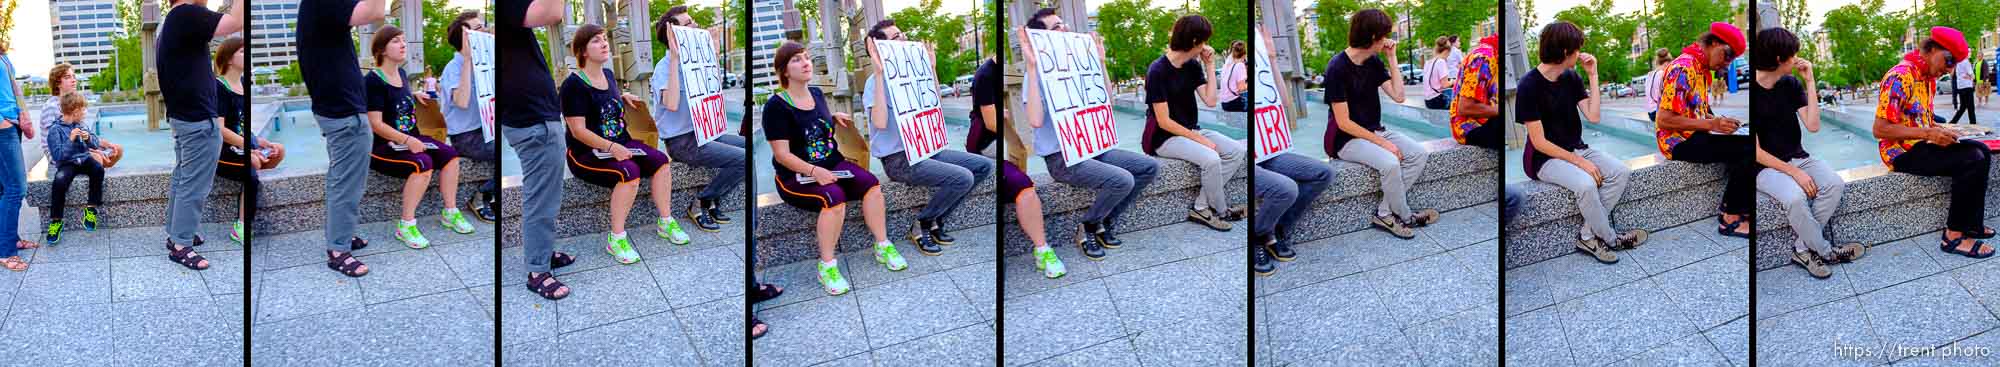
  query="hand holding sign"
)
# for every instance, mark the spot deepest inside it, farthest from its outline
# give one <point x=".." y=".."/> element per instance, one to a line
<point x="480" y="46"/>
<point x="701" y="82"/>
<point x="911" y="83"/>
<point x="1069" y="68"/>
<point x="1274" y="133"/>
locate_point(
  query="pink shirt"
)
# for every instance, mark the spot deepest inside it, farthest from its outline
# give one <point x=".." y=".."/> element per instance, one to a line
<point x="1231" y="75"/>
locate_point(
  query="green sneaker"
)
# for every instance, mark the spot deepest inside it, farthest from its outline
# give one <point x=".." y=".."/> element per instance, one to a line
<point x="455" y="221"/>
<point x="90" y="218"/>
<point x="621" y="248"/>
<point x="671" y="230"/>
<point x="1046" y="261"/>
<point x="411" y="236"/>
<point x="54" y="233"/>
<point x="238" y="234"/>
<point x="885" y="254"/>
<point x="829" y="278"/>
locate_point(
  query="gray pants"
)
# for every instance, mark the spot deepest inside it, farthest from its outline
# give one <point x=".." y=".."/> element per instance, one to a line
<point x="1397" y="176"/>
<point x="540" y="147"/>
<point x="1593" y="200"/>
<point x="1117" y="177"/>
<point x="950" y="174"/>
<point x="725" y="155"/>
<point x="348" y="140"/>
<point x="1217" y="165"/>
<point x="196" y="144"/>
<point x="1808" y="216"/>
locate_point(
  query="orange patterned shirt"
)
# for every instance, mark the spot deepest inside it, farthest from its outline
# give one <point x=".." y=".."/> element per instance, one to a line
<point x="1684" y="90"/>
<point x="1475" y="81"/>
<point x="1905" y="100"/>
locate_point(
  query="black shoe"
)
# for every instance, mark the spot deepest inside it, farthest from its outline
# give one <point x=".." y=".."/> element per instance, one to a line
<point x="936" y="232"/>
<point x="1091" y="247"/>
<point x="1261" y="262"/>
<point x="704" y="219"/>
<point x="1279" y="249"/>
<point x="714" y="211"/>
<point x="482" y="209"/>
<point x="925" y="244"/>
<point x="198" y="241"/>
<point x="1110" y="241"/>
<point x="354" y="243"/>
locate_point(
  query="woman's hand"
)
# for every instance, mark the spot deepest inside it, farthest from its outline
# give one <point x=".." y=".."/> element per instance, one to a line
<point x="619" y="152"/>
<point x="823" y="176"/>
<point x="843" y="119"/>
<point x="416" y="146"/>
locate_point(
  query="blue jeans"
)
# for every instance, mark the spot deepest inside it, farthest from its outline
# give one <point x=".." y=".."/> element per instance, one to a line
<point x="196" y="144"/>
<point x="348" y="140"/>
<point x="950" y="174"/>
<point x="13" y="187"/>
<point x="1286" y="187"/>
<point x="725" y="155"/>
<point x="1117" y="177"/>
<point x="540" y="148"/>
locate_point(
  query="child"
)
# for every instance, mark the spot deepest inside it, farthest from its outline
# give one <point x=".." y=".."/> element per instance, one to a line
<point x="74" y="151"/>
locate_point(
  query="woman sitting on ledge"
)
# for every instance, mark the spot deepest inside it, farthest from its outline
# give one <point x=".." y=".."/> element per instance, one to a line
<point x="601" y="150"/>
<point x="800" y="129"/>
<point x="400" y="150"/>
<point x="1807" y="187"/>
<point x="1911" y="142"/>
<point x="259" y="155"/>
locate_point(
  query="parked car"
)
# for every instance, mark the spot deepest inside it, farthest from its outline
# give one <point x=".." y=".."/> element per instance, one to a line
<point x="730" y="80"/>
<point x="948" y="91"/>
<point x="1411" y="74"/>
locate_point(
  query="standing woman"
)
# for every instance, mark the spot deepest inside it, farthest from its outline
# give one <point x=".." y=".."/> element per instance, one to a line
<point x="187" y="83"/>
<point x="800" y="129"/>
<point x="602" y="151"/>
<point x="13" y="174"/>
<point x="333" y="78"/>
<point x="527" y="113"/>
<point x="400" y="150"/>
<point x="235" y="110"/>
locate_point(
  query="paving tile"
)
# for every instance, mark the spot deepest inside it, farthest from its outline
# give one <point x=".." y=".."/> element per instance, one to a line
<point x="912" y="308"/>
<point x="1163" y="296"/>
<point x="1692" y="350"/>
<point x="1046" y="324"/>
<point x="1022" y="279"/>
<point x="700" y="276"/>
<point x="1636" y="314"/>
<point x="404" y="274"/>
<point x="1216" y="340"/>
<point x="971" y="345"/>
<point x="304" y="290"/>
<point x="1888" y="264"/>
<point x="1327" y="317"/>
<point x="609" y="295"/>
<point x="1670" y="249"/>
<point x="1428" y="289"/>
<point x="527" y="316"/>
<point x="1710" y="292"/>
<point x="1927" y="312"/>
<point x="1787" y="289"/>
<point x="144" y="278"/>
<point x="1468" y="338"/>
<point x="1983" y="280"/>
<point x="977" y="284"/>
<point x="438" y="329"/>
<point x="471" y="261"/>
<point x="79" y="327"/>
<point x="1113" y="353"/>
<point x="1732" y="340"/>
<point x="68" y="283"/>
<point x="75" y="246"/>
<point x="799" y="332"/>
<point x="1536" y="338"/>
<point x="1459" y="228"/>
<point x="1812" y="337"/>
<point x="1562" y="279"/>
<point x="1967" y="352"/>
<point x="224" y="274"/>
<point x="651" y="340"/>
<point x="716" y="330"/>
<point x="175" y="331"/>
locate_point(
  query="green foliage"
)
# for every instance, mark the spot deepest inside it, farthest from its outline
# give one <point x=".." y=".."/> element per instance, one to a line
<point x="1332" y="23"/>
<point x="1866" y="43"/>
<point x="290" y="75"/>
<point x="437" y="49"/>
<point x="128" y="59"/>
<point x="1231" y="21"/>
<point x="923" y="23"/>
<point x="1460" y="18"/>
<point x="1971" y="17"/>
<point x="1678" y="23"/>
<point x="1135" y="34"/>
<point x="703" y="15"/>
<point x="1609" y="37"/>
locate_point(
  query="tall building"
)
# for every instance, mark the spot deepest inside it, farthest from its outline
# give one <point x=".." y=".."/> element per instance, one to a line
<point x="767" y="32"/>
<point x="273" y="33"/>
<point x="82" y="32"/>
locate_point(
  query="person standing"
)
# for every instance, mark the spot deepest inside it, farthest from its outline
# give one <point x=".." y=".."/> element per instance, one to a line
<point x="13" y="174"/>
<point x="1235" y="90"/>
<point x="530" y="119"/>
<point x="333" y="78"/>
<point x="1910" y="141"/>
<point x="1963" y="78"/>
<point x="950" y="174"/>
<point x="187" y="82"/>
<point x="1660" y="60"/>
<point x="1439" y="79"/>
<point x="461" y="113"/>
<point x="676" y="125"/>
<point x="1689" y="130"/>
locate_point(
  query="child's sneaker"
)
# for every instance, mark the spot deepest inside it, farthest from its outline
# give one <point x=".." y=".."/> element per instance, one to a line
<point x="885" y="253"/>
<point x="238" y="234"/>
<point x="620" y="248"/>
<point x="54" y="233"/>
<point x="90" y="218"/>
<point x="455" y="221"/>
<point x="830" y="279"/>
<point x="671" y="230"/>
<point x="410" y="235"/>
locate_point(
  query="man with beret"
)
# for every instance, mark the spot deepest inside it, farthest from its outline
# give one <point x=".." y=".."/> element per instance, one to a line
<point x="1688" y="129"/>
<point x="1910" y="141"/>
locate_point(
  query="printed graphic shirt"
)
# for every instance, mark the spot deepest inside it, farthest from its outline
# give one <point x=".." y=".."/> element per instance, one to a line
<point x="1905" y="100"/>
<point x="1684" y="90"/>
<point x="1476" y="82"/>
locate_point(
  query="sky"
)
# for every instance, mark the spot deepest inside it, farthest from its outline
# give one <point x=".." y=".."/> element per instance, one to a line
<point x="31" y="32"/>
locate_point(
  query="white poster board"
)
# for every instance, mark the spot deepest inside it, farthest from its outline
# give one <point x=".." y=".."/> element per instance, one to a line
<point x="1071" y="73"/>
<point x="1274" y="135"/>
<point x="701" y="82"/>
<point x="481" y="44"/>
<point x="912" y="86"/>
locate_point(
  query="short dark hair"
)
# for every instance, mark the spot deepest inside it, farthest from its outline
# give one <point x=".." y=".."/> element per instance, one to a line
<point x="454" y="34"/>
<point x="1189" y="32"/>
<point x="224" y="53"/>
<point x="876" y="31"/>
<point x="665" y="24"/>
<point x="1366" y="26"/>
<point x="1035" y="21"/>
<point x="1773" y="46"/>
<point x="1560" y="39"/>
<point x="381" y="42"/>
<point x="785" y="53"/>
<point x="581" y="41"/>
<point x="674" y="12"/>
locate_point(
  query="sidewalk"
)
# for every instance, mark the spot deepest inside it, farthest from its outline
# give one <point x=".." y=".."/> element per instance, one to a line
<point x="938" y="312"/>
<point x="682" y="305"/>
<point x="112" y="297"/>
<point x="1423" y="301"/>
<point x="1172" y="295"/>
<point x="1901" y="294"/>
<point x="415" y="307"/>
<point x="1682" y="298"/>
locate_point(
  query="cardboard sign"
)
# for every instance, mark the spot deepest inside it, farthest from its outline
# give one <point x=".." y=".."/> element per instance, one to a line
<point x="701" y="82"/>
<point x="1274" y="135"/>
<point x="912" y="87"/>
<point x="1071" y="73"/>
<point x="481" y="44"/>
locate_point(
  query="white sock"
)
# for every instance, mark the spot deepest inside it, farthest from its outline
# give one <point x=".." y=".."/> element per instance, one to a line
<point x="618" y="234"/>
<point x="451" y="210"/>
<point x="667" y="219"/>
<point x="829" y="264"/>
<point x="411" y="222"/>
<point x="884" y="244"/>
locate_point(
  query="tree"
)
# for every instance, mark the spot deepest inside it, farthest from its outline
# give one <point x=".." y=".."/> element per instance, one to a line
<point x="1231" y="22"/>
<point x="1609" y="37"/>
<point x="1459" y="18"/>
<point x="1682" y="22"/>
<point x="128" y="58"/>
<point x="437" y="49"/>
<point x="1971" y="17"/>
<point x="1333" y="24"/>
<point x="1135" y="34"/>
<point x="923" y="23"/>
<point x="290" y="75"/>
<point x="7" y="22"/>
<point x="1865" y="43"/>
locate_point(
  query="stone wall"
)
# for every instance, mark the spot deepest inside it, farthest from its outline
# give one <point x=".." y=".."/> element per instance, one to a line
<point x="586" y="207"/>
<point x="1659" y="195"/>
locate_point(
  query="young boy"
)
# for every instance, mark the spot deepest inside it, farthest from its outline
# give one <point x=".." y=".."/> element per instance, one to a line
<point x="74" y="151"/>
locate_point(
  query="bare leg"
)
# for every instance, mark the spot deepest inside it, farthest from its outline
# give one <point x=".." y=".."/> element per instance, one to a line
<point x="871" y="212"/>
<point x="663" y="192"/>
<point x="448" y="184"/>
<point x="828" y="230"/>
<point x="1028" y="210"/>
<point x="413" y="192"/>
<point x="621" y="203"/>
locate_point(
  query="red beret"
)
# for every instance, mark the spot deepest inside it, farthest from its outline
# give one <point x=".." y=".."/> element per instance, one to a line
<point x="1729" y="34"/>
<point x="1952" y="40"/>
<point x="1491" y="40"/>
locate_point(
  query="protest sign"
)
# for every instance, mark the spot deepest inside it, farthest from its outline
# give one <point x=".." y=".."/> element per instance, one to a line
<point x="1274" y="135"/>
<point x="911" y="83"/>
<point x="481" y="46"/>
<point x="1071" y="73"/>
<point x="701" y="82"/>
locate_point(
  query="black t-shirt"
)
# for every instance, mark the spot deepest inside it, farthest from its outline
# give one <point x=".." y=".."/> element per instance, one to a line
<point x="187" y="81"/>
<point x="985" y="92"/>
<point x="1175" y="86"/>
<point x="810" y="132"/>
<point x="1356" y="85"/>
<point x="231" y="107"/>
<point x="1774" y="117"/>
<point x="393" y="101"/>
<point x="326" y="57"/>
<point x="527" y="96"/>
<point x="1554" y="104"/>
<point x="602" y="110"/>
